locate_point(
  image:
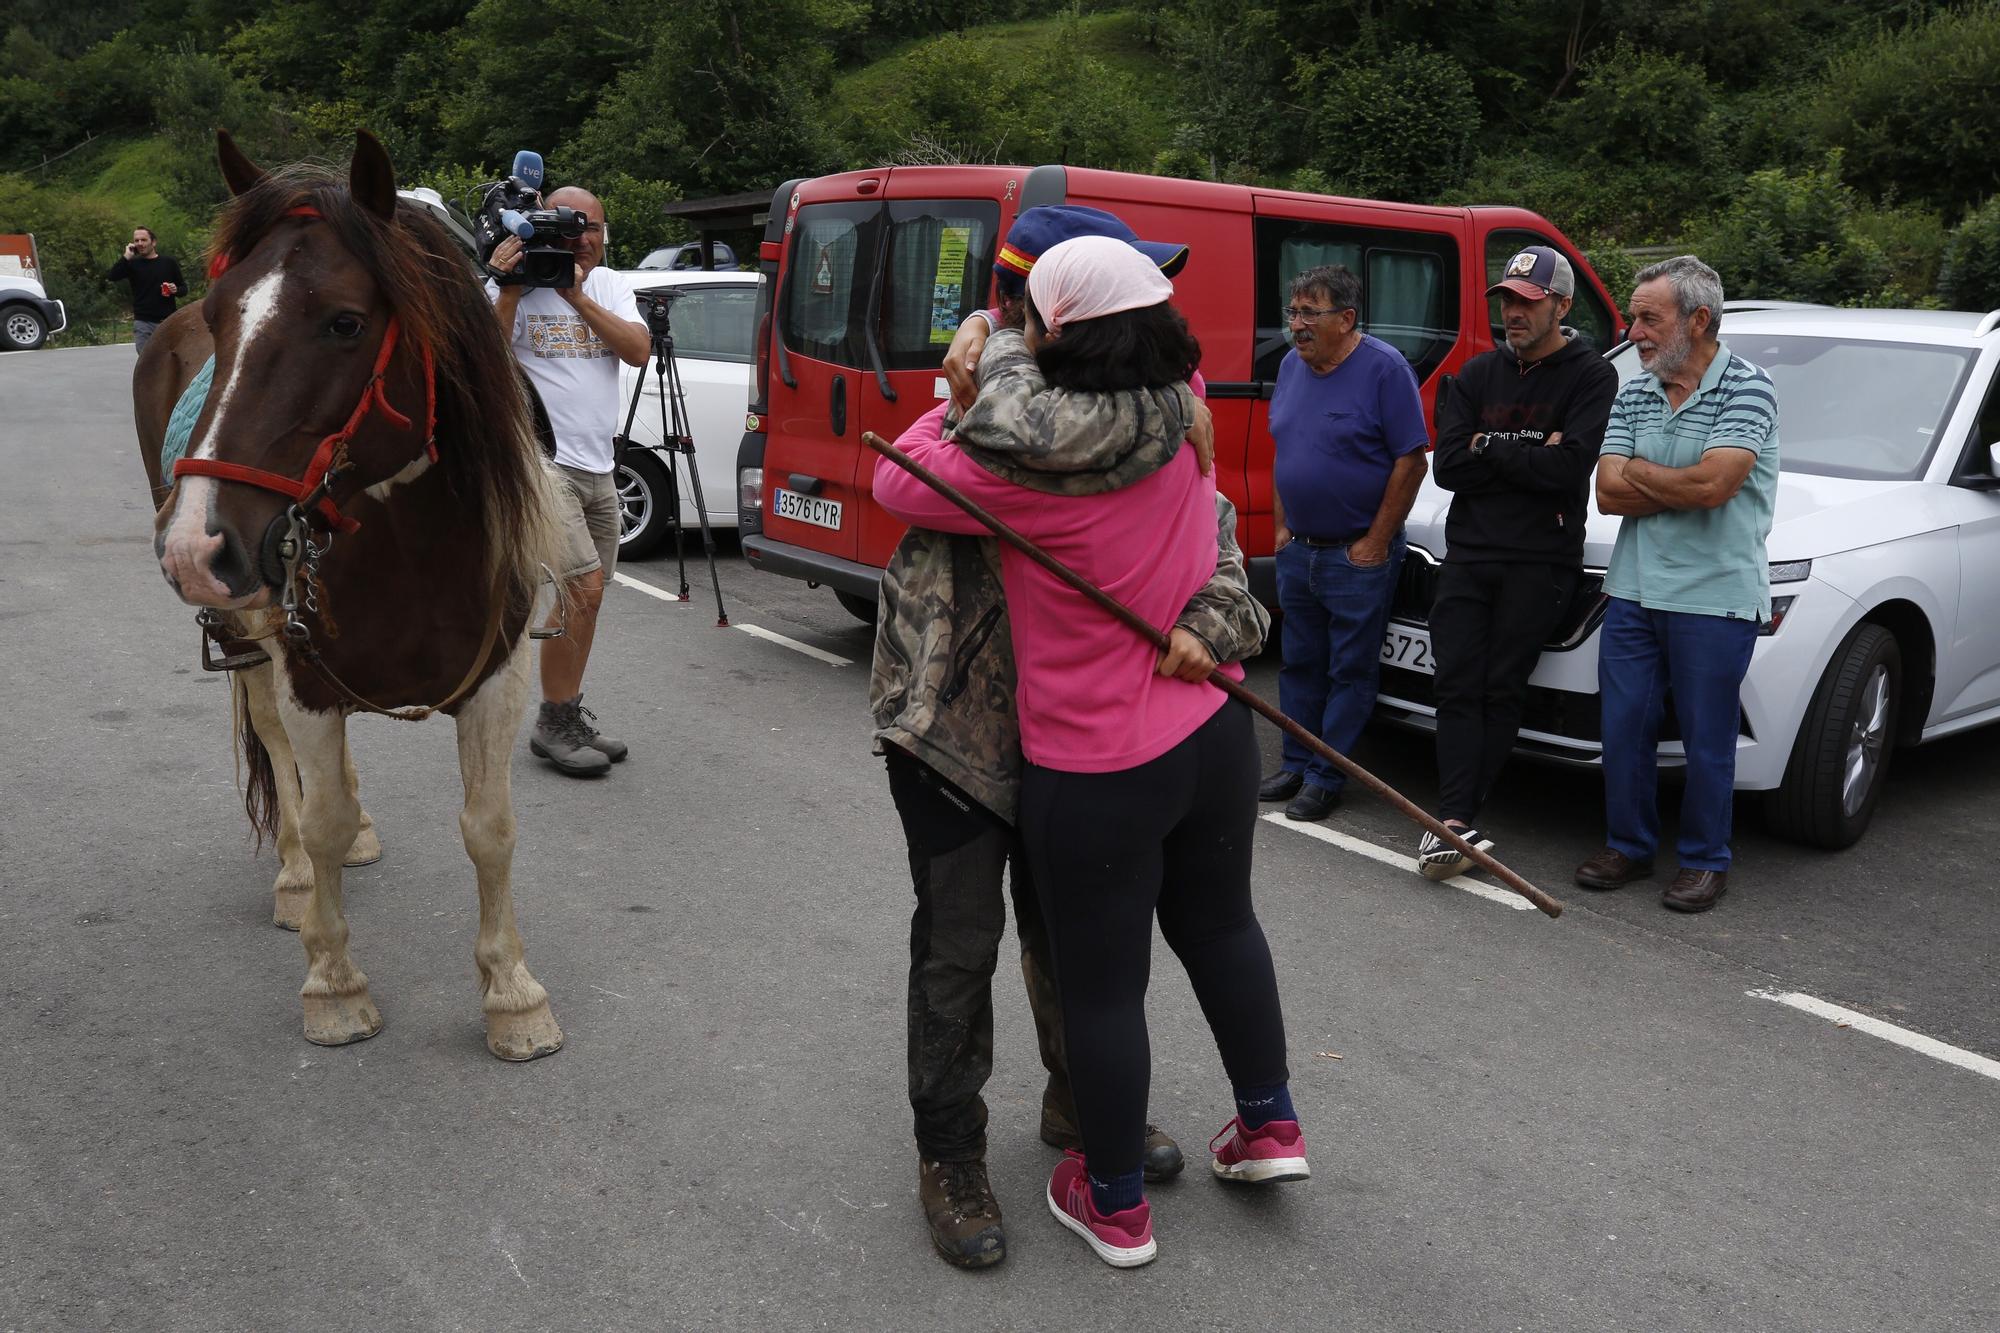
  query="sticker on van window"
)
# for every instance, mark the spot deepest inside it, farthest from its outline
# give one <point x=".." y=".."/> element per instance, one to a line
<point x="823" y="272"/>
<point x="948" y="290"/>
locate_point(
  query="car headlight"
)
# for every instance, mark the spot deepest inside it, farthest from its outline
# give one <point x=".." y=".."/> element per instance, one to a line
<point x="1791" y="571"/>
<point x="1779" y="607"/>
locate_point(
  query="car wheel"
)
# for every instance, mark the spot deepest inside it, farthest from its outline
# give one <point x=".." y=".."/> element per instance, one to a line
<point x="646" y="503"/>
<point x="1841" y="757"/>
<point x="21" y="329"/>
<point x="861" y="608"/>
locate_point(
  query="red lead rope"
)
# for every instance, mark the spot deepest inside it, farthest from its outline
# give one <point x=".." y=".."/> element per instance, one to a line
<point x="332" y="451"/>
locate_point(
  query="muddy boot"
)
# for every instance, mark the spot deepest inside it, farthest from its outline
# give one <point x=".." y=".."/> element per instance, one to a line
<point x="963" y="1215"/>
<point x="615" y="751"/>
<point x="561" y="736"/>
<point x="1162" y="1159"/>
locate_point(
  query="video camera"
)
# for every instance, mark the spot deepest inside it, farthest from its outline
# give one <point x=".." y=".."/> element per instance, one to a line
<point x="508" y="208"/>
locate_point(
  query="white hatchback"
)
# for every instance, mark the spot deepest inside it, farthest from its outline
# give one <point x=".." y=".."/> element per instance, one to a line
<point x="714" y="325"/>
<point x="1885" y="625"/>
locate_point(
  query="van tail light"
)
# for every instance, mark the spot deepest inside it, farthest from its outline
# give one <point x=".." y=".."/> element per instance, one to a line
<point x="750" y="490"/>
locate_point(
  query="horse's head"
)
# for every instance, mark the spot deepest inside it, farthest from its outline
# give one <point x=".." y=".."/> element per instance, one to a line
<point x="321" y="386"/>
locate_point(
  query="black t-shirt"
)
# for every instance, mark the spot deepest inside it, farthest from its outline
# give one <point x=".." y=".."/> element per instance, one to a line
<point x="146" y="275"/>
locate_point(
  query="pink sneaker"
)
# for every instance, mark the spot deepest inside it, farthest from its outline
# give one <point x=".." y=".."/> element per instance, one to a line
<point x="1123" y="1240"/>
<point x="1276" y="1151"/>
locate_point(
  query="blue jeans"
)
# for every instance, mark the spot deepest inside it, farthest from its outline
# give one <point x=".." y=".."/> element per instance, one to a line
<point x="1640" y="655"/>
<point x="1334" y="617"/>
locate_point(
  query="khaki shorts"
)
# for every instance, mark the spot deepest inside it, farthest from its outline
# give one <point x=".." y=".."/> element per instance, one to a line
<point x="590" y="523"/>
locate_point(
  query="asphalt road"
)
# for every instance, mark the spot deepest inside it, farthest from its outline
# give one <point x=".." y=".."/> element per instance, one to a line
<point x="1587" y="1123"/>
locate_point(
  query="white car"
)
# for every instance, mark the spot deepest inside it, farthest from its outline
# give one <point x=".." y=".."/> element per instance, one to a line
<point x="1885" y="625"/>
<point x="714" y="325"/>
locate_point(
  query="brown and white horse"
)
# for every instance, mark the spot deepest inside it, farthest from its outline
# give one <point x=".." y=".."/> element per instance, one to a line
<point x="365" y="464"/>
<point x="172" y="359"/>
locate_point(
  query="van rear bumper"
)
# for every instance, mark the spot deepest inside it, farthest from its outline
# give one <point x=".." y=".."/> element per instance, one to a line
<point x="799" y="562"/>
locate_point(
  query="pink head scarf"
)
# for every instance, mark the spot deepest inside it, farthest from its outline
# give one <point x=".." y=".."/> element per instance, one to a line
<point x="1091" y="276"/>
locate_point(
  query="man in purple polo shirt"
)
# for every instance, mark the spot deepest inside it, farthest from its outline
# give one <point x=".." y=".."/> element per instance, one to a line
<point x="1348" y="424"/>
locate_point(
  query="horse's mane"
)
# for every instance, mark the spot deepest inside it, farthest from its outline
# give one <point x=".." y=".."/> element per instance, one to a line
<point x="485" y="434"/>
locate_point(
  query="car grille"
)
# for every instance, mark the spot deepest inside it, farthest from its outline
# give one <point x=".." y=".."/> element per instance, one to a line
<point x="1416" y="591"/>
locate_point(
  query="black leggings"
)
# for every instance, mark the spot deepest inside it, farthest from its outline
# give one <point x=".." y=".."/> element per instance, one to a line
<point x="1108" y="849"/>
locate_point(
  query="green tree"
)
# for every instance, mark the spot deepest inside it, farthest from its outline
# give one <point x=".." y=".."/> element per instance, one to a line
<point x="1969" y="276"/>
<point x="1793" y="237"/>
<point x="1401" y="127"/>
<point x="1911" y="109"/>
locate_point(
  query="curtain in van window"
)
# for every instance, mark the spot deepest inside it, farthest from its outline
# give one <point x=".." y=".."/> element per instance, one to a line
<point x="1300" y="253"/>
<point x="937" y="274"/>
<point x="1406" y="302"/>
<point x="821" y="290"/>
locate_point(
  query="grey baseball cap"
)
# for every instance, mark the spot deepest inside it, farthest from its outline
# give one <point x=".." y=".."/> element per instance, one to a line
<point x="1535" y="273"/>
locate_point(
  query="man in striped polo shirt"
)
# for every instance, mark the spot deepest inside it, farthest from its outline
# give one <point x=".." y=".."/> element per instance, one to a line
<point x="1690" y="460"/>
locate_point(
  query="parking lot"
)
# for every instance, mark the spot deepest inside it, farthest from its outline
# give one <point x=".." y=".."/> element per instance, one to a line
<point x="1603" y="1121"/>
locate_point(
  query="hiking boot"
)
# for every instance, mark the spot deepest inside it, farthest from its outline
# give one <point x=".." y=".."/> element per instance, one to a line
<point x="963" y="1215"/>
<point x="1123" y="1239"/>
<point x="562" y="737"/>
<point x="615" y="751"/>
<point x="1162" y="1158"/>
<point x="1439" y="860"/>
<point x="1266" y="1154"/>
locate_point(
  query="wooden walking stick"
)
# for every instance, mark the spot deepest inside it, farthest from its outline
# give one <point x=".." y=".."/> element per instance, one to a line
<point x="1233" y="689"/>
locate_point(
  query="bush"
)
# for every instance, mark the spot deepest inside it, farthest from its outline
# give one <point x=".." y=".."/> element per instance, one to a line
<point x="1398" y="127"/>
<point x="1641" y="106"/>
<point x="79" y="239"/>
<point x="1906" y="107"/>
<point x="1793" y="237"/>
<point x="1969" y="274"/>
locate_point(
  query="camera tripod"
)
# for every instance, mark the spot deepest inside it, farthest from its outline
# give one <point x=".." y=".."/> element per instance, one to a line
<point x="676" y="441"/>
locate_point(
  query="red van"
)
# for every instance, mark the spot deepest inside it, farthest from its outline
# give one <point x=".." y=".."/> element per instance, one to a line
<point x="868" y="274"/>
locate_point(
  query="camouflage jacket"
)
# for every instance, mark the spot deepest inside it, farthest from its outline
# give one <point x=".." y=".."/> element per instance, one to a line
<point x="942" y="688"/>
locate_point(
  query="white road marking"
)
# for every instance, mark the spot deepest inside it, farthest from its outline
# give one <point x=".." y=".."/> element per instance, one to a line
<point x="756" y="631"/>
<point x="1400" y="860"/>
<point x="1875" y="1027"/>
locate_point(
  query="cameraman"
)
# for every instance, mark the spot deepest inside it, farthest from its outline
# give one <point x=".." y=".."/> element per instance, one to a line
<point x="569" y="341"/>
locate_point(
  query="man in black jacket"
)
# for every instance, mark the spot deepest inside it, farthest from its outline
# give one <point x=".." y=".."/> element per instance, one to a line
<point x="156" y="284"/>
<point x="1518" y="435"/>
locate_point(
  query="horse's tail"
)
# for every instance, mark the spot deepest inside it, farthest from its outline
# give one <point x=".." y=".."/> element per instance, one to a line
<point x="259" y="778"/>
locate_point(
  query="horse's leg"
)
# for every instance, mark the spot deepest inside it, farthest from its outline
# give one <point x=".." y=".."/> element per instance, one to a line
<point x="519" y="1025"/>
<point x="337" y="1007"/>
<point x="293" y="888"/>
<point x="367" y="848"/>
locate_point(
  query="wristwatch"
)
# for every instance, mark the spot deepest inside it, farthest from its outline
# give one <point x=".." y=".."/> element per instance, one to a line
<point x="1478" y="446"/>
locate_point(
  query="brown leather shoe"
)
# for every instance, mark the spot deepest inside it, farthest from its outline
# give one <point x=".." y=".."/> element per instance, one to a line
<point x="963" y="1216"/>
<point x="1695" y="890"/>
<point x="1611" y="869"/>
<point x="1162" y="1159"/>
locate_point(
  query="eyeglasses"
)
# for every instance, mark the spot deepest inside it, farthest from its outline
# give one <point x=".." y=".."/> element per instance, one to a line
<point x="1310" y="313"/>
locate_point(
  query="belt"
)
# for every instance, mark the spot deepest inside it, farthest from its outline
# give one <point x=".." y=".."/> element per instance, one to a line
<point x="1331" y="541"/>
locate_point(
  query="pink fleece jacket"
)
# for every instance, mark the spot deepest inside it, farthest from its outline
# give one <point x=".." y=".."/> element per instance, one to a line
<point x="1090" y="699"/>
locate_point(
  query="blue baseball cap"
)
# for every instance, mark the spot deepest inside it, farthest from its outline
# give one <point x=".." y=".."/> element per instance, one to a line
<point x="1037" y="230"/>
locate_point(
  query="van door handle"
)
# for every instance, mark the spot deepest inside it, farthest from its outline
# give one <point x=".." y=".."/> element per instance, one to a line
<point x="836" y="408"/>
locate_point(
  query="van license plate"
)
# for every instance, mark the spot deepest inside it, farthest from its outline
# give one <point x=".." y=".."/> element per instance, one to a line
<point x="806" y="509"/>
<point x="1408" y="648"/>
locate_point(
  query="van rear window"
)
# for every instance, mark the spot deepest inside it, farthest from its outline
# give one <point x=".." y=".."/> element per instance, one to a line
<point x="1409" y="286"/>
<point x="939" y="266"/>
<point x="935" y="265"/>
<point x="826" y="281"/>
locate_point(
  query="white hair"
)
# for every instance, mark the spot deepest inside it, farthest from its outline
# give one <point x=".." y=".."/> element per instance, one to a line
<point x="1695" y="285"/>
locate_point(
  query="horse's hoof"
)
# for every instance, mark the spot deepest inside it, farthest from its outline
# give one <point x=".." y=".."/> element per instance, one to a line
<point x="288" y="905"/>
<point x="528" y="1035"/>
<point x="367" y="848"/>
<point x="336" y="1020"/>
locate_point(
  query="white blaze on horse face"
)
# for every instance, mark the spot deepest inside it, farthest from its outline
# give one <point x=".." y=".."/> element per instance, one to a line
<point x="188" y="549"/>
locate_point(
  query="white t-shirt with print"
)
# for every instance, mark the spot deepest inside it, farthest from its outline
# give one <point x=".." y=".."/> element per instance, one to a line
<point x="572" y="368"/>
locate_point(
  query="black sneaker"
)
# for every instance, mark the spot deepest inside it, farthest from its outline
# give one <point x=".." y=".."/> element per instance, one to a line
<point x="1312" y="803"/>
<point x="1282" y="785"/>
<point x="963" y="1215"/>
<point x="1438" y="859"/>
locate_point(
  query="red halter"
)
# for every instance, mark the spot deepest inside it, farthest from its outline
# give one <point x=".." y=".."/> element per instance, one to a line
<point x="331" y="456"/>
